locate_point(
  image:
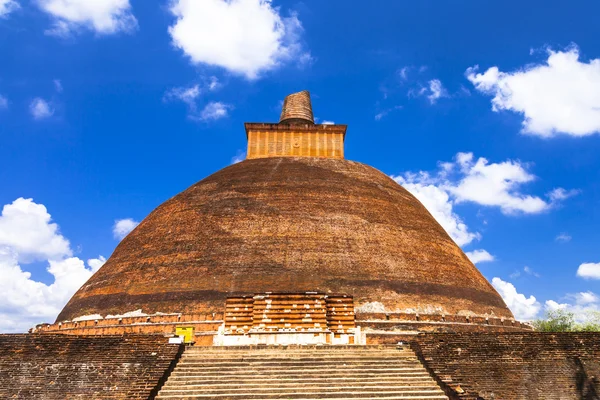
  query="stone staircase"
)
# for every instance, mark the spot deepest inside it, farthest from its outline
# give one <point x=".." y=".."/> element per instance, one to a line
<point x="309" y="372"/>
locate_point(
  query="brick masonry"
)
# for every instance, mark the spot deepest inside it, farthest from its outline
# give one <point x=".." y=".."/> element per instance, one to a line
<point x="514" y="366"/>
<point x="289" y="225"/>
<point x="84" y="367"/>
<point x="499" y="366"/>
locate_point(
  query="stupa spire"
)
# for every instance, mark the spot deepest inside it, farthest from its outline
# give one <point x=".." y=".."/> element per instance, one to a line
<point x="297" y="109"/>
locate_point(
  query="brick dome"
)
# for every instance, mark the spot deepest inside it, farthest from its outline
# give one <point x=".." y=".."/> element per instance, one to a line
<point x="289" y="225"/>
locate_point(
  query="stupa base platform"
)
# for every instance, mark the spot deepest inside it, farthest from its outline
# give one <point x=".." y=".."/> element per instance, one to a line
<point x="208" y="328"/>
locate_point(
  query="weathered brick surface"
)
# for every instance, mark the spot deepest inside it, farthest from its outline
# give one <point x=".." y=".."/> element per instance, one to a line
<point x="514" y="366"/>
<point x="147" y="325"/>
<point x="289" y="225"/>
<point x="83" y="367"/>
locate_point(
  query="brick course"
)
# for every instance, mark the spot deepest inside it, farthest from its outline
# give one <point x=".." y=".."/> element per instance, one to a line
<point x="514" y="366"/>
<point x="83" y="367"/>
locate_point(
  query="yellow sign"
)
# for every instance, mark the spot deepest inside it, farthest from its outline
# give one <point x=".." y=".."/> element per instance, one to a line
<point x="187" y="332"/>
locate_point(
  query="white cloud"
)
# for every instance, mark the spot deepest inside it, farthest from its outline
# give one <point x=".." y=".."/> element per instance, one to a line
<point x="213" y="83"/>
<point x="186" y="94"/>
<point x="7" y="6"/>
<point x="26" y="228"/>
<point x="26" y="235"/>
<point x="191" y="96"/>
<point x="239" y="157"/>
<point x="96" y="263"/>
<point x="58" y="85"/>
<point x="3" y="102"/>
<point x="560" y="96"/>
<point x="475" y="181"/>
<point x="403" y="73"/>
<point x="583" y="305"/>
<point x="40" y="108"/>
<point x="530" y="271"/>
<point x="327" y="123"/>
<point x="563" y="237"/>
<point x="524" y="308"/>
<point x="589" y="271"/>
<point x="495" y="185"/>
<point x="101" y="16"/>
<point x="385" y="112"/>
<point x="122" y="227"/>
<point x="246" y="37"/>
<point x="560" y="194"/>
<point x="438" y="202"/>
<point x="214" y="110"/>
<point x="436" y="91"/>
<point x="480" y="256"/>
<point x="27" y="302"/>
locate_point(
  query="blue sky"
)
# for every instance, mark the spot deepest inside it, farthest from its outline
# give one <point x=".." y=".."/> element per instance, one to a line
<point x="108" y="109"/>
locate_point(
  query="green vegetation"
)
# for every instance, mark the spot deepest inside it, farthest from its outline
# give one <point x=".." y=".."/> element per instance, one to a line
<point x="564" y="321"/>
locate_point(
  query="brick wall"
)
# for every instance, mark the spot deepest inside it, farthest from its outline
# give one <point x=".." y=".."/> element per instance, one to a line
<point x="83" y="367"/>
<point x="299" y="140"/>
<point x="146" y="325"/>
<point x="514" y="366"/>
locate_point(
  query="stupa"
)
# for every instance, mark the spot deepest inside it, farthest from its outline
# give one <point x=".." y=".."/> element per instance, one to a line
<point x="295" y="244"/>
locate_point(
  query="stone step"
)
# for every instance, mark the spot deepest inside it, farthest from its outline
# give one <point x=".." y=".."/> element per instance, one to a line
<point x="316" y="369"/>
<point x="311" y="396"/>
<point x="306" y="387"/>
<point x="298" y="367"/>
<point x="297" y="356"/>
<point x="294" y="363"/>
<point x="312" y="352"/>
<point x="300" y="373"/>
<point x="307" y="357"/>
<point x="345" y="381"/>
<point x="302" y="391"/>
<point x="334" y="379"/>
<point x="281" y="375"/>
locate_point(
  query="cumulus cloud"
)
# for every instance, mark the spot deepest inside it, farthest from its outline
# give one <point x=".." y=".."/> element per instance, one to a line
<point x="122" y="227"/>
<point x="100" y="16"/>
<point x="559" y="96"/>
<point x="246" y="37"/>
<point x="7" y="6"/>
<point x="96" y="263"/>
<point x="523" y="308"/>
<point x="40" y="108"/>
<point x="589" y="271"/>
<point x="27" y="228"/>
<point x="477" y="181"/>
<point x="496" y="185"/>
<point x="327" y="123"/>
<point x="438" y="202"/>
<point x="28" y="234"/>
<point x="583" y="305"/>
<point x="480" y="256"/>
